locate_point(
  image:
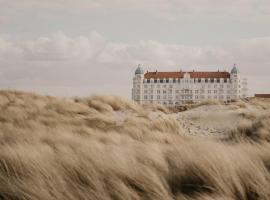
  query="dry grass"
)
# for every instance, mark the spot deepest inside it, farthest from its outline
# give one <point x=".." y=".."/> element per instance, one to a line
<point x="104" y="147"/>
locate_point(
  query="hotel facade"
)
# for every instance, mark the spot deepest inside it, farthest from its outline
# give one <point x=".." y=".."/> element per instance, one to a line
<point x="176" y="88"/>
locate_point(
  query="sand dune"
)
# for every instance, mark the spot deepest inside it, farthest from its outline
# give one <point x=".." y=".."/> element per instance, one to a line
<point x="105" y="147"/>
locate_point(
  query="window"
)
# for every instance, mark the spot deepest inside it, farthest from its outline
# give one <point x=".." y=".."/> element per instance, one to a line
<point x="158" y="96"/>
<point x="151" y="96"/>
<point x="145" y="96"/>
<point x="174" y="80"/>
<point x="145" y="86"/>
<point x="196" y="91"/>
<point x="155" y="81"/>
<point x="161" y="81"/>
<point x="164" y="91"/>
<point x="209" y="91"/>
<point x="167" y="80"/>
<point x="164" y="86"/>
<point x="148" y="80"/>
<point x="171" y="86"/>
<point x="158" y="91"/>
<point x="145" y="91"/>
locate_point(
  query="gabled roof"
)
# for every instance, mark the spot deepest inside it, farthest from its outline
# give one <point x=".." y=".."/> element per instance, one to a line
<point x="180" y="74"/>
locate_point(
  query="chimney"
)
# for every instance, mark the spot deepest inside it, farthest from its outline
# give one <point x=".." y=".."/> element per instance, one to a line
<point x="156" y="71"/>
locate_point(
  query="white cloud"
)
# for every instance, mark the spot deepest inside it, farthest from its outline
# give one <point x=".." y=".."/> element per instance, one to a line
<point x="58" y="46"/>
<point x="92" y="61"/>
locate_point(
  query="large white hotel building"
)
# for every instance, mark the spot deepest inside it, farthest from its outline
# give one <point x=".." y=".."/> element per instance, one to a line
<point x="176" y="88"/>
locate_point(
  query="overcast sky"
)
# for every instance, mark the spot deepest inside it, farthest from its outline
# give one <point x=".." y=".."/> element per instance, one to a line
<point x="82" y="47"/>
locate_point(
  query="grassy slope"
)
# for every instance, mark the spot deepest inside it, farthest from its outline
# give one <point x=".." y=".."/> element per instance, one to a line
<point x="109" y="148"/>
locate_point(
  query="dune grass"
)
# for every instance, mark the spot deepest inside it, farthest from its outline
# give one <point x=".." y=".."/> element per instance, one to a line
<point x="108" y="148"/>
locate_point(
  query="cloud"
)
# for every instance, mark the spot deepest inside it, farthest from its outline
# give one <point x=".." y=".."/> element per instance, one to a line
<point x="95" y="64"/>
<point x="58" y="46"/>
<point x="173" y="9"/>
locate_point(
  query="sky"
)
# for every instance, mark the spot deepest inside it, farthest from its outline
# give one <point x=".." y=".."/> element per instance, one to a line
<point x="85" y="47"/>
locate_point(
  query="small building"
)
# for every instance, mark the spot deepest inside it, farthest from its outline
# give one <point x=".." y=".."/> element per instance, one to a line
<point x="262" y="95"/>
<point x="180" y="87"/>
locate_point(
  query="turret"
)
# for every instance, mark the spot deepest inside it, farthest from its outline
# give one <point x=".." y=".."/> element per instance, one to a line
<point x="138" y="84"/>
<point x="236" y="83"/>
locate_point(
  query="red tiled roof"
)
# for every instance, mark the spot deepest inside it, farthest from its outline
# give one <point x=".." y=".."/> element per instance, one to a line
<point x="162" y="75"/>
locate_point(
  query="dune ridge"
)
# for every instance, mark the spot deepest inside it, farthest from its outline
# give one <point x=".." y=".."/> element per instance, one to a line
<point x="109" y="148"/>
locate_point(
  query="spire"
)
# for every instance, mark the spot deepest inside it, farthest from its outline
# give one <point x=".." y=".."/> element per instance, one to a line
<point x="234" y="70"/>
<point x="139" y="70"/>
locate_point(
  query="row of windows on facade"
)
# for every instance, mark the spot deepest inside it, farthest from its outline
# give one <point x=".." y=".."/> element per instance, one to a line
<point x="210" y="80"/>
<point x="186" y="91"/>
<point x="202" y="86"/>
<point x="174" y="103"/>
<point x="197" y="97"/>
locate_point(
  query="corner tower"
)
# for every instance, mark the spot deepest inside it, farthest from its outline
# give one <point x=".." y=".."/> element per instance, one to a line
<point x="138" y="85"/>
<point x="236" y="83"/>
